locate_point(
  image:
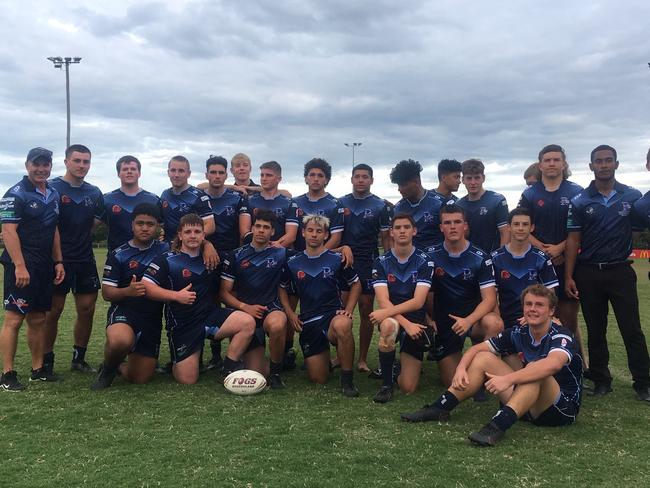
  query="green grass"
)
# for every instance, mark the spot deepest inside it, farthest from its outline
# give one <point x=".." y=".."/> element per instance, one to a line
<point x="164" y="434"/>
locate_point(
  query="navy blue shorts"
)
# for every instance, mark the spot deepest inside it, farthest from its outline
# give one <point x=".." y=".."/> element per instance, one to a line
<point x="447" y="341"/>
<point x="313" y="338"/>
<point x="259" y="336"/>
<point x="559" y="290"/>
<point x="363" y="268"/>
<point x="146" y="328"/>
<point x="417" y="348"/>
<point x="35" y="297"/>
<point x="185" y="341"/>
<point x="563" y="412"/>
<point x="80" y="278"/>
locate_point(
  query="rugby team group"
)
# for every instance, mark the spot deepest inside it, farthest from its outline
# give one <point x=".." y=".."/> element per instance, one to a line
<point x="232" y="261"/>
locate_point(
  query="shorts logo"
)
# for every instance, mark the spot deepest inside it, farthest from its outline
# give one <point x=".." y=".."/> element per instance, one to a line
<point x="391" y="278"/>
<point x="186" y="273"/>
<point x="440" y="271"/>
<point x="245" y="264"/>
<point x="19" y="303"/>
<point x="116" y="209"/>
<point x="505" y="274"/>
<point x="483" y="211"/>
<point x="165" y="204"/>
<point x="540" y="203"/>
<point x="65" y="199"/>
<point x="300" y="275"/>
<point x="133" y="264"/>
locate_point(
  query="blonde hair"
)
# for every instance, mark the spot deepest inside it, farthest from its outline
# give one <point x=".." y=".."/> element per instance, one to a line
<point x="319" y="220"/>
<point x="240" y="157"/>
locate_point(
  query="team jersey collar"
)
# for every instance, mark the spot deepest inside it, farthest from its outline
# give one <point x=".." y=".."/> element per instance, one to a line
<point x="593" y="191"/>
<point x="132" y="244"/>
<point x="532" y="339"/>
<point x="260" y="250"/>
<point x="315" y="257"/>
<point x="415" y="204"/>
<point x="455" y="255"/>
<point x="29" y="186"/>
<point x="517" y="256"/>
<point x="318" y="199"/>
<point x="400" y="260"/>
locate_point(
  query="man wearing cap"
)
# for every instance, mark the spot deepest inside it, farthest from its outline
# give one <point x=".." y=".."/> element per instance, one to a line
<point x="33" y="264"/>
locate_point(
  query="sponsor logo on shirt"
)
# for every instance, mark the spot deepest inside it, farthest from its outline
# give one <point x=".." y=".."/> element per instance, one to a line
<point x="505" y="274"/>
<point x="65" y="199"/>
<point x="391" y="278"/>
<point x="133" y="264"/>
<point x="186" y="273"/>
<point x="116" y="209"/>
<point x="300" y="274"/>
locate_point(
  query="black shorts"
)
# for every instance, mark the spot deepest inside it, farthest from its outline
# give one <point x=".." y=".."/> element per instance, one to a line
<point x="80" y="278"/>
<point x="559" y="290"/>
<point x="363" y="268"/>
<point x="35" y="297"/>
<point x="447" y="341"/>
<point x="185" y="341"/>
<point x="313" y="338"/>
<point x="563" y="412"/>
<point x="259" y="336"/>
<point x="417" y="348"/>
<point x="145" y="327"/>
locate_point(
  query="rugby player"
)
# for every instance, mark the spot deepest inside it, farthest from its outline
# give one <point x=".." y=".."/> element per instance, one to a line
<point x="240" y="167"/>
<point x="532" y="174"/>
<point x="134" y="322"/>
<point x="464" y="292"/>
<point x="539" y="379"/>
<point x="32" y="262"/>
<point x="271" y="198"/>
<point x="449" y="171"/>
<point x="249" y="282"/>
<point x="401" y="279"/>
<point x="422" y="204"/>
<point x="315" y="275"/>
<point x="518" y="265"/>
<point x="548" y="203"/>
<point x="81" y="208"/>
<point x="119" y="203"/>
<point x="600" y="223"/>
<point x="366" y="216"/>
<point x="189" y="289"/>
<point x="486" y="211"/>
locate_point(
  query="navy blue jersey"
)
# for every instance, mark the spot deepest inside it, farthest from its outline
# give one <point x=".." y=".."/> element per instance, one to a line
<point x="514" y="273"/>
<point x="256" y="274"/>
<point x="642" y="210"/>
<point x="606" y="224"/>
<point x="36" y="215"/>
<point x="458" y="280"/>
<point x="426" y="213"/>
<point x="327" y="206"/>
<point x="549" y="209"/>
<point x="363" y="219"/>
<point x="119" y="213"/>
<point x="518" y="340"/>
<point x="79" y="206"/>
<point x="401" y="278"/>
<point x="125" y="262"/>
<point x="282" y="206"/>
<point x="176" y="270"/>
<point x="484" y="217"/>
<point x="226" y="210"/>
<point x="317" y="282"/>
<point x="176" y="205"/>
<point x="444" y="198"/>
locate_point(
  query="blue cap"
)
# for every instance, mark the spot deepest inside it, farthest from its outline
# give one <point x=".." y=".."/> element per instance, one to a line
<point x="39" y="153"/>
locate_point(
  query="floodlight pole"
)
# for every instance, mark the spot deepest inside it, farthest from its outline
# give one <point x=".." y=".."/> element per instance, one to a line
<point x="59" y="62"/>
<point x="353" y="145"/>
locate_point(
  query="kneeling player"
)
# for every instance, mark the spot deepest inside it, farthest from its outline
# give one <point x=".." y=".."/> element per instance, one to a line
<point x="189" y="289"/>
<point x="250" y="282"/>
<point x="315" y="274"/>
<point x="133" y="321"/>
<point x="540" y="378"/>
<point x="401" y="279"/>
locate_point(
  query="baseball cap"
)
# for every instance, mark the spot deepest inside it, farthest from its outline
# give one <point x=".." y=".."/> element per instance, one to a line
<point x="39" y="152"/>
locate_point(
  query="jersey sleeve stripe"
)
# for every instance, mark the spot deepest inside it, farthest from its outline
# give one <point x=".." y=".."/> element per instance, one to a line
<point x="564" y="351"/>
<point x="150" y="280"/>
<point x="109" y="282"/>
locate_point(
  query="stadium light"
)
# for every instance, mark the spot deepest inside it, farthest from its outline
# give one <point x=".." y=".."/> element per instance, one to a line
<point x="353" y="145"/>
<point x="59" y="62"/>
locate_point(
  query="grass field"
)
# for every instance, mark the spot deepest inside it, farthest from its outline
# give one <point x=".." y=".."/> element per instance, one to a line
<point x="164" y="434"/>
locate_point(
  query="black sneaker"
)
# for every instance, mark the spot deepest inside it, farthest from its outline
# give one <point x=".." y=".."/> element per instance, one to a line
<point x="643" y="394"/>
<point x="275" y="382"/>
<point x="384" y="395"/>
<point x="214" y="363"/>
<point x="488" y="436"/>
<point x="104" y="379"/>
<point x="82" y="367"/>
<point x="426" y="414"/>
<point x="349" y="391"/>
<point x="375" y="374"/>
<point x="9" y="382"/>
<point x="42" y="374"/>
<point x="289" y="360"/>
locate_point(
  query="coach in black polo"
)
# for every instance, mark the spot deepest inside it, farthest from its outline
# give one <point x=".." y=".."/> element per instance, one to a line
<point x="600" y="222"/>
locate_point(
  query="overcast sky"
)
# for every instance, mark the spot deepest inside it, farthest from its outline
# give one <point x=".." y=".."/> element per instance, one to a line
<point x="291" y="80"/>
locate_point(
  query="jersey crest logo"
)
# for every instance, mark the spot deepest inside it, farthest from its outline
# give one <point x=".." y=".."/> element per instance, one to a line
<point x="229" y="210"/>
<point x="483" y="211"/>
<point x="505" y="274"/>
<point x="183" y="208"/>
<point x="414" y="276"/>
<point x="116" y="209"/>
<point x="88" y="201"/>
<point x="165" y="204"/>
<point x="278" y="212"/>
<point x="245" y="263"/>
<point x="186" y="273"/>
<point x="440" y="271"/>
<point x="300" y="275"/>
<point x="327" y="272"/>
<point x="467" y="274"/>
<point x="367" y="213"/>
<point x="271" y="262"/>
<point x="428" y="217"/>
<point x="540" y="203"/>
<point x="625" y="209"/>
<point x="564" y="201"/>
<point x="391" y="278"/>
<point x="133" y="264"/>
<point x="532" y="275"/>
<point x="65" y="199"/>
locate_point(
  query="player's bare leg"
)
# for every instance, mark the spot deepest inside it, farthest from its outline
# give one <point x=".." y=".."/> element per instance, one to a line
<point x="340" y="334"/>
<point x="83" y="326"/>
<point x="275" y="326"/>
<point x="409" y="376"/>
<point x="52" y="329"/>
<point x="186" y="372"/>
<point x="365" y="332"/>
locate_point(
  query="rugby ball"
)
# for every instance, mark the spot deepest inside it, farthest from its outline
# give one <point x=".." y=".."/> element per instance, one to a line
<point x="244" y="382"/>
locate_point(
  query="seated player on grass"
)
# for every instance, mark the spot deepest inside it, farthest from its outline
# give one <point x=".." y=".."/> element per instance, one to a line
<point x="133" y="322"/>
<point x="315" y="275"/>
<point x="402" y="280"/>
<point x="535" y="370"/>
<point x="180" y="279"/>
<point x="249" y="282"/>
